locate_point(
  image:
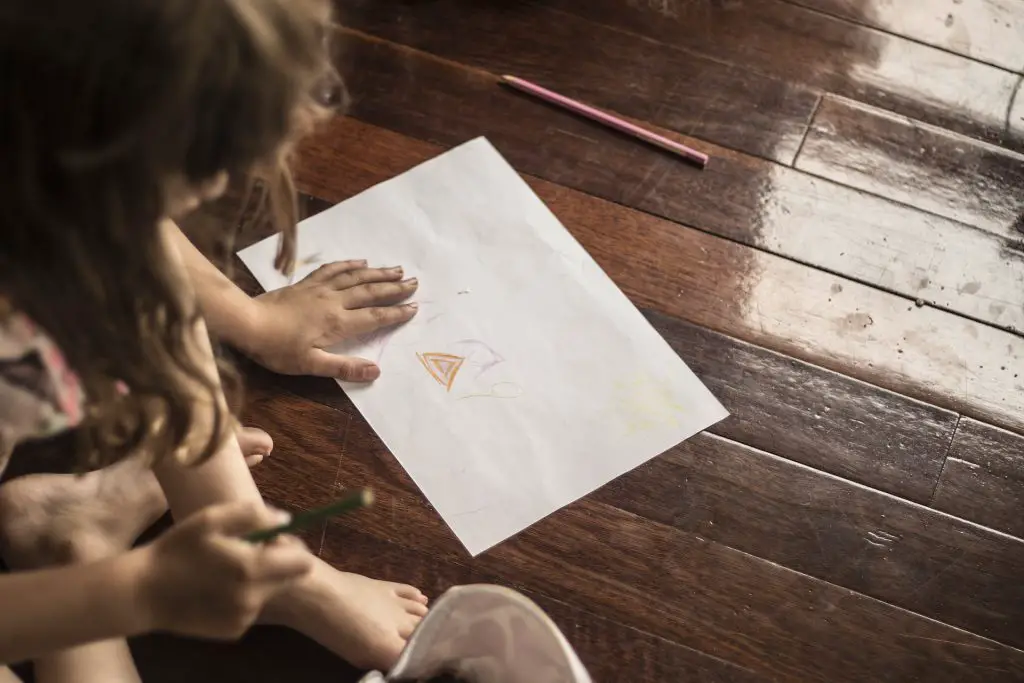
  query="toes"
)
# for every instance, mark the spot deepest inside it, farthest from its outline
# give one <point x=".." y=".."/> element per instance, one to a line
<point x="254" y="442"/>
<point x="410" y="593"/>
<point x="409" y="625"/>
<point x="415" y="608"/>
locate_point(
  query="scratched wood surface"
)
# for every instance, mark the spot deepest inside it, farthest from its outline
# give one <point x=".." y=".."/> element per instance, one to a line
<point x="873" y="238"/>
<point x="804" y="46"/>
<point x="987" y="30"/>
<point x="847" y="275"/>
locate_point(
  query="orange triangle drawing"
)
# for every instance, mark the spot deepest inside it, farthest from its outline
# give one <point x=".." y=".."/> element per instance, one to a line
<point x="442" y="366"/>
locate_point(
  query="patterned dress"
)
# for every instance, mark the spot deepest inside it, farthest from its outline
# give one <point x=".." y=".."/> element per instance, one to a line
<point x="39" y="394"/>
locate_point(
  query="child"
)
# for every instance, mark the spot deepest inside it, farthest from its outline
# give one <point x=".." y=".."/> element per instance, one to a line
<point x="116" y="117"/>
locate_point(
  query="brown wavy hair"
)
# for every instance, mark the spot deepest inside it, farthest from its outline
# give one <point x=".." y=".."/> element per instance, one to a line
<point x="103" y="103"/>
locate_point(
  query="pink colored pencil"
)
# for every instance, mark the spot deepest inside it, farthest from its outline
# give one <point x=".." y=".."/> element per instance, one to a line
<point x="618" y="124"/>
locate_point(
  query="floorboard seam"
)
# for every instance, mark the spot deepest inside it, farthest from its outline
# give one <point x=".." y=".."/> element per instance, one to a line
<point x="1007" y="126"/>
<point x="337" y="471"/>
<point x="807" y="131"/>
<point x="910" y="39"/>
<point x="945" y="459"/>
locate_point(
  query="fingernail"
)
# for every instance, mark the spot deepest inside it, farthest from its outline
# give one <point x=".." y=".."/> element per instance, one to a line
<point x="395" y="269"/>
<point x="364" y="373"/>
<point x="413" y="306"/>
<point x="412" y="282"/>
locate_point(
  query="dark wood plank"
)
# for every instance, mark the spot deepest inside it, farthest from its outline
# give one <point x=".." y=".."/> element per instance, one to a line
<point x="736" y="290"/>
<point x="917" y="164"/>
<point x="898" y="552"/>
<point x="820" y="51"/>
<point x="815" y="416"/>
<point x="610" y="651"/>
<point x="983" y="479"/>
<point x="672" y="88"/>
<point x="300" y="473"/>
<point x="680" y="586"/>
<point x="750" y="200"/>
<point x="987" y="30"/>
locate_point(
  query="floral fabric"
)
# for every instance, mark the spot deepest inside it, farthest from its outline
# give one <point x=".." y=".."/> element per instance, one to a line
<point x="39" y="394"/>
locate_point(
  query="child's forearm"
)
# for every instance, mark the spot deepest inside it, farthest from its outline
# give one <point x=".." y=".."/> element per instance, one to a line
<point x="224" y="477"/>
<point x="230" y="313"/>
<point x="49" y="610"/>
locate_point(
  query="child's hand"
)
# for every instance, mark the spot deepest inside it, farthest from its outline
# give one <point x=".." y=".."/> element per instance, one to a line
<point x="338" y="301"/>
<point x="201" y="579"/>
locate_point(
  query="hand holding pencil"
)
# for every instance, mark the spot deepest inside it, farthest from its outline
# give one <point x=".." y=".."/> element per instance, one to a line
<point x="211" y="575"/>
<point x="202" y="579"/>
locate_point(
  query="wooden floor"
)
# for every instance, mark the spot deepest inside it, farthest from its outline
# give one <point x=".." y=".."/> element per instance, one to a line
<point x="847" y="275"/>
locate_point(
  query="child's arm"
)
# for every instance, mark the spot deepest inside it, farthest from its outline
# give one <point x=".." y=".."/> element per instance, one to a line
<point x="287" y="330"/>
<point x="49" y="610"/>
<point x="231" y="314"/>
<point x="198" y="579"/>
<point x="218" y="480"/>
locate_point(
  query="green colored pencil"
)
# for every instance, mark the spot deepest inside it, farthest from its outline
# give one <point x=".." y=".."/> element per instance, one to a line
<point x="353" y="501"/>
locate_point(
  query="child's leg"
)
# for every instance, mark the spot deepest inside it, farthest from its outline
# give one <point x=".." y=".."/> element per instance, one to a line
<point x="106" y="662"/>
<point x="53" y="519"/>
<point x="57" y="519"/>
<point x="362" y="620"/>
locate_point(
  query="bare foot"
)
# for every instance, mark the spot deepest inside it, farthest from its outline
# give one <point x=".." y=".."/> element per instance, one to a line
<point x="53" y="519"/>
<point x="256" y="444"/>
<point x="363" y="620"/>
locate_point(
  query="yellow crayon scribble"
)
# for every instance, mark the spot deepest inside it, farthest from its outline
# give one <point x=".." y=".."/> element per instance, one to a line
<point x="645" y="404"/>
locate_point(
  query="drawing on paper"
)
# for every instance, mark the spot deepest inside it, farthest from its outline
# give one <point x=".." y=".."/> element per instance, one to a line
<point x="443" y="367"/>
<point x="499" y="390"/>
<point x="480" y="355"/>
<point x="644" y="403"/>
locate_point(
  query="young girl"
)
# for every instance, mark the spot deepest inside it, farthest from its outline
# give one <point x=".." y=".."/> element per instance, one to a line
<point x="118" y="116"/>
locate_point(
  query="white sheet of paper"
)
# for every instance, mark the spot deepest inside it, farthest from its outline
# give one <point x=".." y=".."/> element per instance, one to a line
<point x="528" y="379"/>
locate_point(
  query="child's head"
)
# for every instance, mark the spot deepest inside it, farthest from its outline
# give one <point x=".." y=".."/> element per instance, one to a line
<point x="116" y="114"/>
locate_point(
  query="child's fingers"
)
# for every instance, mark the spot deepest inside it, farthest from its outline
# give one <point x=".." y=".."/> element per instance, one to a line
<point x="346" y="368"/>
<point x="329" y="270"/>
<point x="362" y="276"/>
<point x="284" y="559"/>
<point x="378" y="293"/>
<point x="364" y="320"/>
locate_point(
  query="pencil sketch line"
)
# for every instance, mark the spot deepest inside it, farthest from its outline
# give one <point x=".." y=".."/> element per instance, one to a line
<point x="517" y="391"/>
